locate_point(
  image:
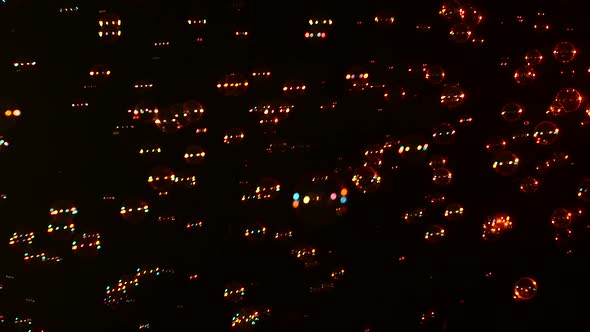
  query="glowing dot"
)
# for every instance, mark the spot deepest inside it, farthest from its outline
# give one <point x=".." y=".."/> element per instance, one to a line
<point x="306" y="199"/>
<point x="296" y="196"/>
<point x="343" y="192"/>
<point x="343" y="200"/>
<point x="333" y="196"/>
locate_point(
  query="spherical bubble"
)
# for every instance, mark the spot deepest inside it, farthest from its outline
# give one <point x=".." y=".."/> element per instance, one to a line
<point x="249" y="317"/>
<point x="436" y="200"/>
<point x="233" y="85"/>
<point x="414" y="215"/>
<point x="444" y="134"/>
<point x="496" y="144"/>
<point x="366" y="179"/>
<point x="62" y="211"/>
<point x="194" y="155"/>
<point x="161" y="178"/>
<point x="452" y="96"/>
<point x="185" y="178"/>
<point x="442" y="176"/>
<point x="87" y="244"/>
<point x="437" y="161"/>
<point x="413" y="147"/>
<point x="234" y="292"/>
<point x="470" y="16"/>
<point x="522" y="136"/>
<point x="562" y="218"/>
<point x="265" y="189"/>
<point x="134" y="210"/>
<point x="233" y="136"/>
<point x="505" y="163"/>
<point x="545" y="133"/>
<point x="9" y="116"/>
<point x="171" y="118"/>
<point x="192" y="112"/>
<point x="460" y="33"/>
<point x="453" y="212"/>
<point x="584" y="190"/>
<point x="524" y="75"/>
<point x="435" y="74"/>
<point x="495" y="226"/>
<point x="555" y="109"/>
<point x="256" y="231"/>
<point x="320" y="199"/>
<point x="564" y="52"/>
<point x="451" y="11"/>
<point x="570" y="99"/>
<point x="529" y="184"/>
<point x="374" y="154"/>
<point x="533" y="57"/>
<point x="525" y="289"/>
<point x="434" y="233"/>
<point x="512" y="112"/>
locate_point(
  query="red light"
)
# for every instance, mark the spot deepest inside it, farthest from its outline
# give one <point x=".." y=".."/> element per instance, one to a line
<point x="307" y="35"/>
<point x="323" y="35"/>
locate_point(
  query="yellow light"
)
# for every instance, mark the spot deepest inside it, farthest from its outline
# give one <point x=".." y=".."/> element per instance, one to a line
<point x="306" y="199"/>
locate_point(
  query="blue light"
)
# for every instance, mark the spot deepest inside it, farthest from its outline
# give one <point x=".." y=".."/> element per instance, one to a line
<point x="296" y="196"/>
<point x="343" y="200"/>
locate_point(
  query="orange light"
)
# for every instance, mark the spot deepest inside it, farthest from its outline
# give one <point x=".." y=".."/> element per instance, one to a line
<point x="343" y="192"/>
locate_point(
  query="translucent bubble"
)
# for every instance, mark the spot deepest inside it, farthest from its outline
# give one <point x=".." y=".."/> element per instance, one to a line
<point x="505" y="163"/>
<point x="233" y="136"/>
<point x="570" y="99"/>
<point x="451" y="11"/>
<point x="533" y="57"/>
<point x="134" y="210"/>
<point x="256" y="231"/>
<point x="366" y="179"/>
<point x="495" y="226"/>
<point x="460" y="33"/>
<point x="522" y="136"/>
<point x="87" y="243"/>
<point x="512" y="112"/>
<point x="564" y="52"/>
<point x="265" y="189"/>
<point x="194" y="155"/>
<point x="454" y="212"/>
<point x="413" y="147"/>
<point x="584" y="190"/>
<point x="470" y="16"/>
<point x="529" y="184"/>
<point x="561" y="218"/>
<point x="435" y="74"/>
<point x="442" y="176"/>
<point x="545" y="133"/>
<point x="444" y="134"/>
<point x="524" y="75"/>
<point x="496" y="144"/>
<point x="414" y="215"/>
<point x="374" y="155"/>
<point x="249" y="317"/>
<point x="62" y="211"/>
<point x="452" y="96"/>
<point x="525" y="289"/>
<point x="306" y="254"/>
<point x="234" y="292"/>
<point x="555" y="109"/>
<point x="161" y="178"/>
<point x="10" y="115"/>
<point x="320" y="199"/>
<point x="437" y="161"/>
<point x="192" y="112"/>
<point x="434" y="233"/>
<point x="436" y="200"/>
<point x="233" y="85"/>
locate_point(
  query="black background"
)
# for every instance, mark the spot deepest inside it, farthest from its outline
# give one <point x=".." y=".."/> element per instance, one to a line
<point x="63" y="153"/>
